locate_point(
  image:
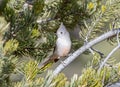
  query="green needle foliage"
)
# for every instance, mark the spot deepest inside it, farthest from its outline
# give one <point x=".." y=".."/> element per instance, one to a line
<point x="27" y="36"/>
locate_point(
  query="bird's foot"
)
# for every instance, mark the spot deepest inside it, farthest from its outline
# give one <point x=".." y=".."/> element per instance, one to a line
<point x="62" y="62"/>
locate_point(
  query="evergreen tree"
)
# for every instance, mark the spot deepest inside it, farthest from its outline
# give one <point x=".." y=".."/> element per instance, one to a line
<point x="27" y="36"/>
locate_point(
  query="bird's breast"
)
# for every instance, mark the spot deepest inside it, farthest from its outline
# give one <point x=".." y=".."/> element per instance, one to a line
<point x="63" y="46"/>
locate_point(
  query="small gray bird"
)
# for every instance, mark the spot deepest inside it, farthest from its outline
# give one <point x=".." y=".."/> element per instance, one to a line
<point x="63" y="45"/>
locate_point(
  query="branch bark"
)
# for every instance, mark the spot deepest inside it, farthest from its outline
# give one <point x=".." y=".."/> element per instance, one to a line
<point x="84" y="48"/>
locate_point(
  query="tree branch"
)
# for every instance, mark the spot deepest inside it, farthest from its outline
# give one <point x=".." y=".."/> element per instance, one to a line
<point x="84" y="48"/>
<point x="109" y="55"/>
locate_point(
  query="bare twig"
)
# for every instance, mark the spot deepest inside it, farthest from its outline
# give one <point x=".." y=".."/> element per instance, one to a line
<point x="109" y="55"/>
<point x="84" y="48"/>
<point x="100" y="53"/>
<point x="40" y="21"/>
<point x="118" y="38"/>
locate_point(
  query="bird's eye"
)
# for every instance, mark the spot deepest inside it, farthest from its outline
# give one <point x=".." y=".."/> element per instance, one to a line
<point x="61" y="32"/>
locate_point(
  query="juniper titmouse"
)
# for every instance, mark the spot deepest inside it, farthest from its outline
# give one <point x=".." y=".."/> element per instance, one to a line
<point x="63" y="45"/>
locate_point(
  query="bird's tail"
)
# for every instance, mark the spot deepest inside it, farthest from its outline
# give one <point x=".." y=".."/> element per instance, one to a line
<point x="48" y="62"/>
